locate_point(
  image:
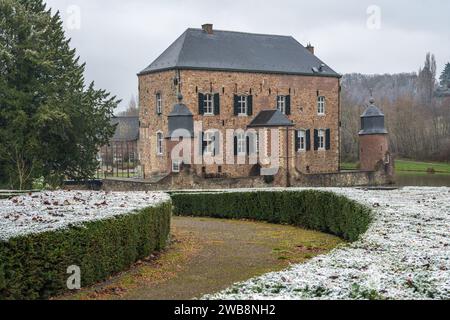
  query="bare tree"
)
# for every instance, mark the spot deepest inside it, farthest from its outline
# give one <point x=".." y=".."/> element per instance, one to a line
<point x="132" y="109"/>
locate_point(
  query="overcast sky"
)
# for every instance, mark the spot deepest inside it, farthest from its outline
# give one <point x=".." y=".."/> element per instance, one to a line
<point x="119" y="38"/>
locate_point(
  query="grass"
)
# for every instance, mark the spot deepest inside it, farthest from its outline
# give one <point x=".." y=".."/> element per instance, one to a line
<point x="415" y="166"/>
<point x="410" y="166"/>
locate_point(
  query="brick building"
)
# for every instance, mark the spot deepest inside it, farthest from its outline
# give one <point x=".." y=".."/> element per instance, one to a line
<point x="270" y="86"/>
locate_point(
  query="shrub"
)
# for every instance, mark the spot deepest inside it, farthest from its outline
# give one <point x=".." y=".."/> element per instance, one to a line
<point x="317" y="210"/>
<point x="35" y="266"/>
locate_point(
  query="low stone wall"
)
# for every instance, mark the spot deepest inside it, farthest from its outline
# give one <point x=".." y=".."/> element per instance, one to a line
<point x="188" y="180"/>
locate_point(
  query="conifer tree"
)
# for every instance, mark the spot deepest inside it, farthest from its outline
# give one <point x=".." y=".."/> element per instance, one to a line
<point x="445" y="76"/>
<point x="51" y="124"/>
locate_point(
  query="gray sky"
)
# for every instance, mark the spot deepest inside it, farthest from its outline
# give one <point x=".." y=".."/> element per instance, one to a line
<point x="118" y="38"/>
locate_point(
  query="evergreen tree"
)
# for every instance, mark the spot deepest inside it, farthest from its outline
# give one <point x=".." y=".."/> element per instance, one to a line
<point x="51" y="125"/>
<point x="445" y="76"/>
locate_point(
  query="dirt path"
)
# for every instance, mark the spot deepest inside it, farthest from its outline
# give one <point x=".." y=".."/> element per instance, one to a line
<point x="209" y="255"/>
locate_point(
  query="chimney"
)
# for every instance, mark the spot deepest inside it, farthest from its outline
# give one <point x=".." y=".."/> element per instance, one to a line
<point x="208" y="28"/>
<point x="310" y="48"/>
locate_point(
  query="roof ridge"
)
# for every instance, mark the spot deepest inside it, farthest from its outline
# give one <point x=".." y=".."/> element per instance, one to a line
<point x="246" y="33"/>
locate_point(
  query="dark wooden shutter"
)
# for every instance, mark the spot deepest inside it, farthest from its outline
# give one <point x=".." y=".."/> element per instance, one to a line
<point x="236" y="105"/>
<point x="288" y="105"/>
<point x="316" y="139"/>
<point x="204" y="144"/>
<point x="235" y="145"/>
<point x="201" y="104"/>
<point x="217" y="104"/>
<point x="308" y="140"/>
<point x="297" y="140"/>
<point x="328" y="140"/>
<point x="250" y="105"/>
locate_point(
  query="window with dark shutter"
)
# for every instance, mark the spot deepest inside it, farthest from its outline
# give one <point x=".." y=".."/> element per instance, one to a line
<point x="250" y="105"/>
<point x="236" y="105"/>
<point x="297" y="140"/>
<point x="235" y="145"/>
<point x="288" y="105"/>
<point x="216" y="104"/>
<point x="328" y="139"/>
<point x="316" y="139"/>
<point x="308" y="140"/>
<point x="201" y="104"/>
<point x="201" y="146"/>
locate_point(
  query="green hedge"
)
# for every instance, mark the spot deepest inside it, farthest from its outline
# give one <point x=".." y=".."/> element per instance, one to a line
<point x="35" y="266"/>
<point x="317" y="210"/>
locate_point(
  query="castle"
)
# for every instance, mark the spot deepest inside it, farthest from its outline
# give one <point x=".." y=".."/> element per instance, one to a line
<point x="235" y="105"/>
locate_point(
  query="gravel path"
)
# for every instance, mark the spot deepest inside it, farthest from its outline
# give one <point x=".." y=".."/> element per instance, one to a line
<point x="404" y="255"/>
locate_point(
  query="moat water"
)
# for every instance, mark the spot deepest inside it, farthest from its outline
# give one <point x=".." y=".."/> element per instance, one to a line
<point x="422" y="180"/>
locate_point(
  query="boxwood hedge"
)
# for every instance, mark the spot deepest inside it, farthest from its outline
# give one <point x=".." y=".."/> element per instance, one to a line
<point x="317" y="210"/>
<point x="35" y="266"/>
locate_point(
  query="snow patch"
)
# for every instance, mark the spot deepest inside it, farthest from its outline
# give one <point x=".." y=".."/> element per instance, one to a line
<point x="50" y="211"/>
<point x="404" y="255"/>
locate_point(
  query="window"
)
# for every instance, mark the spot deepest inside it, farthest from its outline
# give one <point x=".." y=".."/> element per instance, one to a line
<point x="321" y="139"/>
<point x="176" y="166"/>
<point x="159" y="110"/>
<point x="243" y="106"/>
<point x="159" y="143"/>
<point x="241" y="144"/>
<point x="321" y="105"/>
<point x="209" y="142"/>
<point x="281" y="104"/>
<point x="208" y="107"/>
<point x="301" y="140"/>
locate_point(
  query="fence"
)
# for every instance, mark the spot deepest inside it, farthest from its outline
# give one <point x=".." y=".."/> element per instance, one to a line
<point x="119" y="160"/>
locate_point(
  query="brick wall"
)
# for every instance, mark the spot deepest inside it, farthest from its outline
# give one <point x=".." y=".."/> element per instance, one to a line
<point x="264" y="88"/>
<point x="373" y="149"/>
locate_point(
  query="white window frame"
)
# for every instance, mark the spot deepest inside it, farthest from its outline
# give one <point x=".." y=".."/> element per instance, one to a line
<point x="208" y="104"/>
<point x="159" y="143"/>
<point x="321" y="105"/>
<point x="176" y="166"/>
<point x="243" y="106"/>
<point x="302" y="140"/>
<point x="159" y="107"/>
<point x="209" y="138"/>
<point x="321" y="137"/>
<point x="281" y="104"/>
<point x="241" y="143"/>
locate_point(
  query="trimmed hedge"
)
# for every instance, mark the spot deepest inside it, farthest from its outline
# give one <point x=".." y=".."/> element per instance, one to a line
<point x="35" y="266"/>
<point x="316" y="210"/>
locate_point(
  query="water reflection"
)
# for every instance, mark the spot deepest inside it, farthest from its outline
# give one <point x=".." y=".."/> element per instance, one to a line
<point x="422" y="180"/>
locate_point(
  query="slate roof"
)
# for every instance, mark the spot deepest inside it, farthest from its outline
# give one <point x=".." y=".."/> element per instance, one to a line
<point x="181" y="118"/>
<point x="127" y="129"/>
<point x="270" y="118"/>
<point x="241" y="52"/>
<point x="372" y="120"/>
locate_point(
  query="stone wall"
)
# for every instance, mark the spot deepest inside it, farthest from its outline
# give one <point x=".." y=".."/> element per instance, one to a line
<point x="188" y="181"/>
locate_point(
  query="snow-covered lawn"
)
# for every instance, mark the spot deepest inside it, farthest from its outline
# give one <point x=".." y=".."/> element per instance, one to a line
<point x="47" y="211"/>
<point x="404" y="255"/>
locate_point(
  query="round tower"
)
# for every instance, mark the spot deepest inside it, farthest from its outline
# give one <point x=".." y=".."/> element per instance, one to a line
<point x="374" y="140"/>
